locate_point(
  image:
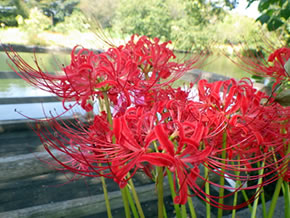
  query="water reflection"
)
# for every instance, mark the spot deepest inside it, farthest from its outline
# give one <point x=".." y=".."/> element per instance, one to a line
<point x="48" y="61"/>
<point x="36" y="111"/>
<point x="14" y="90"/>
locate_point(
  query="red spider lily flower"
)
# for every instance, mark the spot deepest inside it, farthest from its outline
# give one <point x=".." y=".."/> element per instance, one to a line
<point x="155" y="62"/>
<point x="161" y="95"/>
<point x="255" y="130"/>
<point x="273" y="67"/>
<point x="78" y="81"/>
<point x="130" y="70"/>
<point x="79" y="147"/>
<point x="134" y="134"/>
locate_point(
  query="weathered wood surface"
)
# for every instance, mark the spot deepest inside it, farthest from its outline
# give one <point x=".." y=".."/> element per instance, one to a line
<point x="75" y="199"/>
<point x="15" y="143"/>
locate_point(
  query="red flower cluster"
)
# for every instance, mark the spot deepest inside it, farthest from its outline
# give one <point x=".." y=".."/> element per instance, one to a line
<point x="180" y="134"/>
<point x="228" y="127"/>
<point x="125" y="73"/>
<point x="274" y="66"/>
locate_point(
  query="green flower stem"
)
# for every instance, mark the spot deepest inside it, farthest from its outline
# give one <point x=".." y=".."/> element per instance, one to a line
<point x="110" y="120"/>
<point x="286" y="198"/>
<point x="104" y="186"/>
<point x="247" y="199"/>
<point x="131" y="202"/>
<point x="125" y="202"/>
<point x="183" y="211"/>
<point x="207" y="191"/>
<point x="135" y="196"/>
<point x="260" y="180"/>
<point x="164" y="211"/>
<point x="275" y="198"/>
<point x="108" y="109"/>
<point x="173" y="194"/>
<point x="106" y="196"/>
<point x="285" y="186"/>
<point x="160" y="192"/>
<point x="222" y="178"/>
<point x="191" y="207"/>
<point x="236" y="196"/>
<point x="278" y="187"/>
<point x="264" y="209"/>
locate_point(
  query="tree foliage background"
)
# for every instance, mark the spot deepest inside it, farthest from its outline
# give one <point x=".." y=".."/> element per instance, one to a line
<point x="188" y="23"/>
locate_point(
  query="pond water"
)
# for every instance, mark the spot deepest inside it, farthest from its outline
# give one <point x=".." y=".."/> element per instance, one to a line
<point x="16" y="87"/>
<point x="49" y="62"/>
<point x="12" y="86"/>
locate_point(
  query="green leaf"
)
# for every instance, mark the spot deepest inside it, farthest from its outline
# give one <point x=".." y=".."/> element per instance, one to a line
<point x="274" y="23"/>
<point x="270" y="12"/>
<point x="281" y="3"/>
<point x="287" y="67"/>
<point x="285" y="13"/>
<point x="264" y="18"/>
<point x="257" y="77"/>
<point x="264" y="4"/>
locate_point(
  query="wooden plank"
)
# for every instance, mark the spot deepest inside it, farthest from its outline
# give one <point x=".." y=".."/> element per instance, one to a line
<point x="15" y="143"/>
<point x="84" y="206"/>
<point x="22" y="166"/>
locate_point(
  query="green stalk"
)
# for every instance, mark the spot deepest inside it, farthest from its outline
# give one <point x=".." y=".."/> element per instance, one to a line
<point x="222" y="178"/>
<point x="207" y="191"/>
<point x="255" y="205"/>
<point x="236" y="196"/>
<point x="191" y="207"/>
<point x="164" y="211"/>
<point x="106" y="196"/>
<point x="108" y="109"/>
<point x="275" y="198"/>
<point x="264" y="209"/>
<point x="173" y="194"/>
<point x="110" y="120"/>
<point x="125" y="202"/>
<point x="135" y="196"/>
<point x="104" y="186"/>
<point x="263" y="199"/>
<point x="131" y="202"/>
<point x="263" y="196"/>
<point x="247" y="199"/>
<point x="278" y="188"/>
<point x="160" y="192"/>
<point x="286" y="184"/>
<point x="183" y="211"/>
<point x="286" y="198"/>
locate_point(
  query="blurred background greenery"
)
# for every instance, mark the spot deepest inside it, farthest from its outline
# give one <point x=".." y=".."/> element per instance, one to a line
<point x="189" y="24"/>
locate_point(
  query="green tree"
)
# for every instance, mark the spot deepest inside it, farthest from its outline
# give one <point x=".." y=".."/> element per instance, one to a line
<point x="275" y="14"/>
<point x="182" y="21"/>
<point x="56" y="9"/>
<point x="102" y="11"/>
<point x="151" y="18"/>
<point x="9" y="9"/>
